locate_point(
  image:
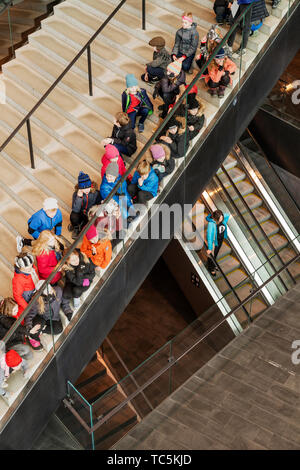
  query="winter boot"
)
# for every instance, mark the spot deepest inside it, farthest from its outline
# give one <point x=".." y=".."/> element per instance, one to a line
<point x="221" y="91"/>
<point x="212" y="91"/>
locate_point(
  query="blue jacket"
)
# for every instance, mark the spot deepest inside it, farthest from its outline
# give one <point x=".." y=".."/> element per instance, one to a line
<point x="212" y="236"/>
<point x="142" y="95"/>
<point x="150" y="184"/>
<point x="243" y="2"/>
<point x="106" y="188"/>
<point x="40" y="221"/>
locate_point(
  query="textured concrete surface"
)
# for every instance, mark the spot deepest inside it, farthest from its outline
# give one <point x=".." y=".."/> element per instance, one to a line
<point x="246" y="397"/>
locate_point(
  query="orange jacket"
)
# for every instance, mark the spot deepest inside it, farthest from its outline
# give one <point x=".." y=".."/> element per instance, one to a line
<point x="103" y="251"/>
<point x="215" y="74"/>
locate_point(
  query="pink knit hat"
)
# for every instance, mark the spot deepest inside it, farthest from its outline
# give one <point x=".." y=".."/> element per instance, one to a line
<point x="157" y="151"/>
<point x="175" y="67"/>
<point x="111" y="151"/>
<point x="91" y="233"/>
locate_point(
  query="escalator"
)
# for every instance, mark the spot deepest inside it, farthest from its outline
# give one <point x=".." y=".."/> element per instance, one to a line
<point x="261" y="236"/>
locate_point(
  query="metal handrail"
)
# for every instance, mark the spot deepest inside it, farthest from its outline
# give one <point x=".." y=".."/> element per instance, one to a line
<point x="125" y="175"/>
<point x="243" y="218"/>
<point x="232" y="289"/>
<point x="86" y="47"/>
<point x="173" y="361"/>
<point x="272" y="247"/>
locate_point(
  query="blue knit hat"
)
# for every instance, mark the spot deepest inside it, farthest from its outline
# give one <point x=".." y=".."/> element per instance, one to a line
<point x="131" y="80"/>
<point x="220" y="54"/>
<point x="84" y="181"/>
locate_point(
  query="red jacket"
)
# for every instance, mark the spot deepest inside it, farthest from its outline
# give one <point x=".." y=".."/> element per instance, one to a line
<point x="46" y="263"/>
<point x="106" y="161"/>
<point x="22" y="284"/>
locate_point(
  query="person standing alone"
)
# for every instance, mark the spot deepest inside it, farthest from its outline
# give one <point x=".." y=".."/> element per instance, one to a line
<point x="216" y="233"/>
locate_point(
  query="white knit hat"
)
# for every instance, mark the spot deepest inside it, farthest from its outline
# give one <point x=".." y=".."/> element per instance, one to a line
<point x="50" y="203"/>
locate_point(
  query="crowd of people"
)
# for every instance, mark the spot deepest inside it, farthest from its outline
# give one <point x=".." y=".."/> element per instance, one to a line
<point x="39" y="254"/>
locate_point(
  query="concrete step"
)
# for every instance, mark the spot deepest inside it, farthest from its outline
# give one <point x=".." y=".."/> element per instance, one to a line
<point x="55" y="152"/>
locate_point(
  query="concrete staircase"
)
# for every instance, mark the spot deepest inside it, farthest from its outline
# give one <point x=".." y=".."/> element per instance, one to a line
<point x="24" y="17"/>
<point x="68" y="127"/>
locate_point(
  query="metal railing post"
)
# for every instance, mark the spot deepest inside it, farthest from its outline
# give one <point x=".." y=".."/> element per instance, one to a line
<point x="88" y="49"/>
<point x="30" y="143"/>
<point x="144" y="14"/>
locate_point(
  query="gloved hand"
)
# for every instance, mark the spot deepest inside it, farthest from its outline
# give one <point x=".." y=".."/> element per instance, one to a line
<point x="86" y="283"/>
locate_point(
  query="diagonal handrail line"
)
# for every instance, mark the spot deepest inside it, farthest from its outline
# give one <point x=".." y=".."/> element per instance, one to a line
<point x="133" y="164"/>
<point x="202" y="337"/>
<point x="61" y="76"/>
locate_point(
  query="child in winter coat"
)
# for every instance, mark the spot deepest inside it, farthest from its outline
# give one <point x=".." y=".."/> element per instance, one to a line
<point x="219" y="74"/>
<point x="79" y="273"/>
<point x="122" y="197"/>
<point x="216" y="233"/>
<point x="170" y="87"/>
<point x="135" y="102"/>
<point x="144" y="183"/>
<point x="159" y="157"/>
<point x="109" y="218"/>
<point x="112" y="155"/>
<point x="195" y="115"/>
<point x="8" y="312"/>
<point x="177" y="138"/>
<point x="48" y="218"/>
<point x="48" y="254"/>
<point x="156" y="69"/>
<point x="44" y="315"/>
<point x="97" y="247"/>
<point x="24" y="285"/>
<point x="85" y="196"/>
<point x="10" y="361"/>
<point x="186" y="42"/>
<point x="208" y="45"/>
<point x="123" y="136"/>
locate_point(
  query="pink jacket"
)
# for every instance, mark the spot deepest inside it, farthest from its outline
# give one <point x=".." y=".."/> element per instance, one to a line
<point x="106" y="161"/>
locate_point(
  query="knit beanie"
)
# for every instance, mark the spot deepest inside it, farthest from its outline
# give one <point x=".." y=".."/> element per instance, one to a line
<point x="175" y="67"/>
<point x="173" y="123"/>
<point x="84" y="181"/>
<point x="157" y="151"/>
<point x="111" y="151"/>
<point x="50" y="203"/>
<point x="220" y="54"/>
<point x="91" y="233"/>
<point x="12" y="358"/>
<point x="158" y="41"/>
<point x="112" y="169"/>
<point x="131" y="80"/>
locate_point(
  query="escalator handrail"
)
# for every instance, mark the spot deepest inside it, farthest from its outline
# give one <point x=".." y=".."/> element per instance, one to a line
<point x="266" y="238"/>
<point x="232" y="289"/>
<point x="273" y="248"/>
<point x="245" y="222"/>
<point x="277" y="177"/>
